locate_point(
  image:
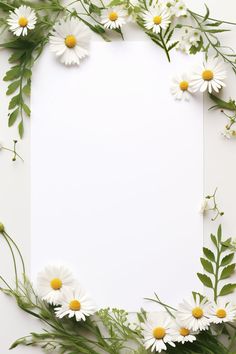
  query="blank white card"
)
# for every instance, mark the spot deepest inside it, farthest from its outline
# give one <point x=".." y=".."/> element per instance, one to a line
<point x="117" y="173"/>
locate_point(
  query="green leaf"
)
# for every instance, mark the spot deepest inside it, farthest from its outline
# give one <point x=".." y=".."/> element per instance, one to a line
<point x="21" y="129"/>
<point x="16" y="56"/>
<point x="207" y="13"/>
<point x="14" y="102"/>
<point x="27" y="88"/>
<point x="214" y="240"/>
<point x="13" y="73"/>
<point x="12" y="118"/>
<point x="227" y="259"/>
<point x="227" y="289"/>
<point x="27" y="74"/>
<point x="205" y="280"/>
<point x="26" y="109"/>
<point x="219" y="233"/>
<point x="208" y="267"/>
<point x="227" y="271"/>
<point x="209" y="254"/>
<point x="13" y="87"/>
<point x="231" y="106"/>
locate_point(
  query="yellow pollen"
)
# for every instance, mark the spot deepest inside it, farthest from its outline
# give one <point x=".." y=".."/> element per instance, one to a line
<point x="113" y="16"/>
<point x="56" y="284"/>
<point x="207" y="75"/>
<point x="157" y="20"/>
<point x="197" y="313"/>
<point x="184" y="85"/>
<point x="75" y="305"/>
<point x="221" y="313"/>
<point x="184" y="332"/>
<point x="70" y="41"/>
<point x="23" y="22"/>
<point x="159" y="332"/>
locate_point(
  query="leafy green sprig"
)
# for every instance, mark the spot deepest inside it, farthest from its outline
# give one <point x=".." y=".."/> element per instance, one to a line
<point x="209" y="28"/>
<point x="219" y="267"/>
<point x="214" y="205"/>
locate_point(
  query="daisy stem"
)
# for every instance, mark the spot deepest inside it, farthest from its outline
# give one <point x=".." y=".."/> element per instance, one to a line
<point x="164" y="45"/>
<point x="18" y="250"/>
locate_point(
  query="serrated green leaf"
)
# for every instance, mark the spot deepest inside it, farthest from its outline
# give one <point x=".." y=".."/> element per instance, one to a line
<point x="21" y="129"/>
<point x="227" y="289"/>
<point x="13" y="87"/>
<point x="205" y="280"/>
<point x="14" y="102"/>
<point x="16" y="56"/>
<point x="209" y="254"/>
<point x="208" y="267"/>
<point x="227" y="259"/>
<point x="227" y="271"/>
<point x="13" y="73"/>
<point x="13" y="117"/>
<point x="26" y="109"/>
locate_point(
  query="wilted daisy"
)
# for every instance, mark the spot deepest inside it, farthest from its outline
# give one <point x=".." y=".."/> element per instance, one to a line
<point x="114" y="17"/>
<point x="194" y="314"/>
<point x="70" y="41"/>
<point x="181" y="87"/>
<point x="210" y="76"/>
<point x="222" y="312"/>
<point x="21" y="20"/>
<point x="52" y="281"/>
<point x="156" y="18"/>
<point x="75" y="303"/>
<point x="182" y="334"/>
<point x="157" y="332"/>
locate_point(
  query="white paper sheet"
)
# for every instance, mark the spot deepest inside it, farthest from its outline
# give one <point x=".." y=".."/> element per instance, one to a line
<point x="117" y="173"/>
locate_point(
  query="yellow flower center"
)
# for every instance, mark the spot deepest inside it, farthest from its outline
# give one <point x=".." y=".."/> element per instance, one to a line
<point x="23" y="22"/>
<point x="70" y="41"/>
<point x="197" y="312"/>
<point x="56" y="284"/>
<point x="184" y="332"/>
<point x="184" y="85"/>
<point x="157" y="20"/>
<point x="113" y="16"/>
<point x="221" y="313"/>
<point x="75" y="305"/>
<point x="207" y="75"/>
<point x="159" y="332"/>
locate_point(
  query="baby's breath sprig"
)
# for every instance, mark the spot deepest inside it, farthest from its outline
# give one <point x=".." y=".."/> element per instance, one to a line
<point x="14" y="151"/>
<point x="210" y="204"/>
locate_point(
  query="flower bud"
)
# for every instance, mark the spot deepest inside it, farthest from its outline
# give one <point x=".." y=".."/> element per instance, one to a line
<point x="2" y="228"/>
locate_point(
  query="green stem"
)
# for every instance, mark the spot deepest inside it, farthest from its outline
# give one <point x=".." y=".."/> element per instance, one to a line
<point x="13" y="259"/>
<point x="164" y="46"/>
<point x="214" y="19"/>
<point x="18" y="250"/>
<point x="217" y="273"/>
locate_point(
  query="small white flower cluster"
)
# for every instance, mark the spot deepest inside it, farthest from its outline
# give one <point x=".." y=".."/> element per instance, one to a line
<point x="207" y="77"/>
<point x="191" y="318"/>
<point x="189" y="38"/>
<point x="57" y="286"/>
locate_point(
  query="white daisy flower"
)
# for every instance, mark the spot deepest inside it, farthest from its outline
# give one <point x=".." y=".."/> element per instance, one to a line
<point x="114" y="17"/>
<point x="210" y="76"/>
<point x="222" y="312"/>
<point x="181" y="87"/>
<point x="52" y="281"/>
<point x="156" y="18"/>
<point x="21" y="20"/>
<point x="70" y="41"/>
<point x="194" y="315"/>
<point x="182" y="334"/>
<point x="157" y="332"/>
<point x="178" y="8"/>
<point x="75" y="303"/>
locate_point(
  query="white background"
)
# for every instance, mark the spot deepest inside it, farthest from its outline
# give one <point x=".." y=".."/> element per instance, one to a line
<point x="14" y="187"/>
<point x="112" y="191"/>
